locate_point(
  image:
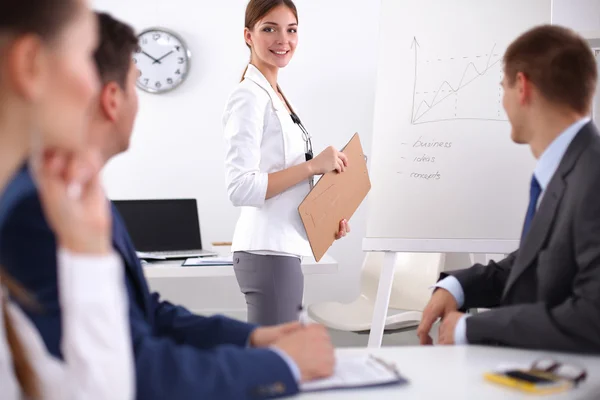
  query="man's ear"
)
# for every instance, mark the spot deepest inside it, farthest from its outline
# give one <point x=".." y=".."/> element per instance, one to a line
<point x="525" y="88"/>
<point x="110" y="100"/>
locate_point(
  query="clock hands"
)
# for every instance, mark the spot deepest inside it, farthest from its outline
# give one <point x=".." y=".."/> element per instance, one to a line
<point x="154" y="59"/>
<point x="158" y="61"/>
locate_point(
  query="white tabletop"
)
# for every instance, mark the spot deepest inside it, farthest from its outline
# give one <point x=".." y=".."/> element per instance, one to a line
<point x="174" y="269"/>
<point x="456" y="372"/>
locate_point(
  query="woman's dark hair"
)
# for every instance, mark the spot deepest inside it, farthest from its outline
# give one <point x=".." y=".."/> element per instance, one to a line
<point x="257" y="9"/>
<point x="44" y="18"/>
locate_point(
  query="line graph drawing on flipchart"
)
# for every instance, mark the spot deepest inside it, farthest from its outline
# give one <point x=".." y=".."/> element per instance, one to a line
<point x="457" y="87"/>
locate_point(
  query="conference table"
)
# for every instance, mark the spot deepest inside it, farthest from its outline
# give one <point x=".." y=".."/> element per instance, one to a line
<point x="456" y="372"/>
<point x="174" y="269"/>
<point x="208" y="290"/>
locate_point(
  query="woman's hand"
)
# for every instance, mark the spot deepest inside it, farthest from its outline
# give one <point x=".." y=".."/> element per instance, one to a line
<point x="328" y="160"/>
<point x="344" y="229"/>
<point x="73" y="200"/>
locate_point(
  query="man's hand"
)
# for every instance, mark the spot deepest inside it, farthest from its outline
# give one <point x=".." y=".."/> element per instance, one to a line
<point x="265" y="337"/>
<point x="311" y="349"/>
<point x="448" y="326"/>
<point x="441" y="304"/>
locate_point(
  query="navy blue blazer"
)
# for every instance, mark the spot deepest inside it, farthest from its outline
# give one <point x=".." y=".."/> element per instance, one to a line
<point x="178" y="355"/>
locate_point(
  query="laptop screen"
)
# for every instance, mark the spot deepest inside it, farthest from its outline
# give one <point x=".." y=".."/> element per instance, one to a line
<point x="161" y="225"/>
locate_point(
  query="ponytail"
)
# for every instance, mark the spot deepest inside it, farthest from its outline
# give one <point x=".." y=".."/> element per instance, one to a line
<point x="244" y="74"/>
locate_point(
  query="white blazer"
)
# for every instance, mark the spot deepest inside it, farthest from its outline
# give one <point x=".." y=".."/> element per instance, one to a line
<point x="261" y="138"/>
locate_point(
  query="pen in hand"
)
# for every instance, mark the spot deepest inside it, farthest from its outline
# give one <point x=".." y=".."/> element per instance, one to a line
<point x="303" y="316"/>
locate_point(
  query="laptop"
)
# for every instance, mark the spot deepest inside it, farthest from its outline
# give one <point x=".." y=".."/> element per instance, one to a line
<point x="163" y="229"/>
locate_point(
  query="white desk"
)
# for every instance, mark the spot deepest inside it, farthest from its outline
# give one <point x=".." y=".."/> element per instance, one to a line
<point x="174" y="269"/>
<point x="211" y="290"/>
<point x="456" y="373"/>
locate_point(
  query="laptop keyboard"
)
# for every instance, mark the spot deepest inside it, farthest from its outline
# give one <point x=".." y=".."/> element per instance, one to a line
<point x="177" y="253"/>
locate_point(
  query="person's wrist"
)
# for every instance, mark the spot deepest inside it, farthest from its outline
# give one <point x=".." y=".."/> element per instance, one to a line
<point x="452" y="304"/>
<point x="447" y="297"/>
<point x="310" y="168"/>
<point x="252" y="338"/>
<point x="98" y="246"/>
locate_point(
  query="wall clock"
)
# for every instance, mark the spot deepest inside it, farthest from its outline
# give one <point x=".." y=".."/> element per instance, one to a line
<point x="163" y="60"/>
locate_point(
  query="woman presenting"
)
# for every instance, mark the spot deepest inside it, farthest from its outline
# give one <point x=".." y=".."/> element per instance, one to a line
<point x="270" y="168"/>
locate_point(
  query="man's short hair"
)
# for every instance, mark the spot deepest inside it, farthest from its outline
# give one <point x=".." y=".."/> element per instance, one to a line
<point x="115" y="49"/>
<point x="558" y="62"/>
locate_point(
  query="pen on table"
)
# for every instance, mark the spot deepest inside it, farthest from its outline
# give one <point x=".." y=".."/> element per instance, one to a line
<point x="302" y="316"/>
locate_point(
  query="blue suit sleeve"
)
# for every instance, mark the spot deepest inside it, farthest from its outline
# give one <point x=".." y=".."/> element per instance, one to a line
<point x="206" y="332"/>
<point x="166" y="367"/>
<point x="28" y="254"/>
<point x="201" y="332"/>
<point x="170" y="370"/>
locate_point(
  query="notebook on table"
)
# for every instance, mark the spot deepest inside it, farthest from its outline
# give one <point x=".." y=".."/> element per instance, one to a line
<point x="357" y="371"/>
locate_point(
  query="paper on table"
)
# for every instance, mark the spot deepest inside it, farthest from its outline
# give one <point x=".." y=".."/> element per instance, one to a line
<point x="204" y="261"/>
<point x="356" y="371"/>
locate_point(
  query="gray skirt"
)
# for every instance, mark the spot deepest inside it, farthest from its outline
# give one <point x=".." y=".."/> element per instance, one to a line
<point x="273" y="286"/>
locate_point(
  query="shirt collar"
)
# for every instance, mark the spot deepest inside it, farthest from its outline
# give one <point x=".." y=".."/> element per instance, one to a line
<point x="257" y="77"/>
<point x="550" y="159"/>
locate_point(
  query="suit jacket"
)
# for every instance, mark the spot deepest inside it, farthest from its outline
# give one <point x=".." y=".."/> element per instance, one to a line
<point x="546" y="295"/>
<point x="178" y="355"/>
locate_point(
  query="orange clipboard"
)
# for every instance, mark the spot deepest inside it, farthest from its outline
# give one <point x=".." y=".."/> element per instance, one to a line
<point x="335" y="197"/>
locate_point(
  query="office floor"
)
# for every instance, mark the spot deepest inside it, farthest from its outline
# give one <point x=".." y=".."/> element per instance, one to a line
<point x="407" y="337"/>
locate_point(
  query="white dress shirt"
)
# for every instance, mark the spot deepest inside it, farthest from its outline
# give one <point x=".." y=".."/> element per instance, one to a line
<point x="96" y="342"/>
<point x="260" y="139"/>
<point x="544" y="171"/>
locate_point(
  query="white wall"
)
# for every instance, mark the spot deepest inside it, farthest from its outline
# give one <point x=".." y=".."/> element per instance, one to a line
<point x="177" y="148"/>
<point x="581" y="15"/>
<point x="584" y="17"/>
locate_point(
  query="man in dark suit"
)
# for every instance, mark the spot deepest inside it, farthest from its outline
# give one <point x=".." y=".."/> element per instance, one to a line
<point x="178" y="355"/>
<point x="545" y="295"/>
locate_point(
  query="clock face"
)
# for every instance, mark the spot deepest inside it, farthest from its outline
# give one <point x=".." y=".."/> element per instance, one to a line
<point x="163" y="60"/>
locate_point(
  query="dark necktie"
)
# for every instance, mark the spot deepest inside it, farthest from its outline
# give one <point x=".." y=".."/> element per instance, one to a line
<point x="534" y="194"/>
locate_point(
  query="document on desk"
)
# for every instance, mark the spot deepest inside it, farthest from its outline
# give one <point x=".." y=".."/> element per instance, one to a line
<point x="357" y="372"/>
<point x="208" y="261"/>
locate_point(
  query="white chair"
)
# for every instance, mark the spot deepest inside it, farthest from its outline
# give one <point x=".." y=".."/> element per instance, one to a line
<point x="414" y="273"/>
